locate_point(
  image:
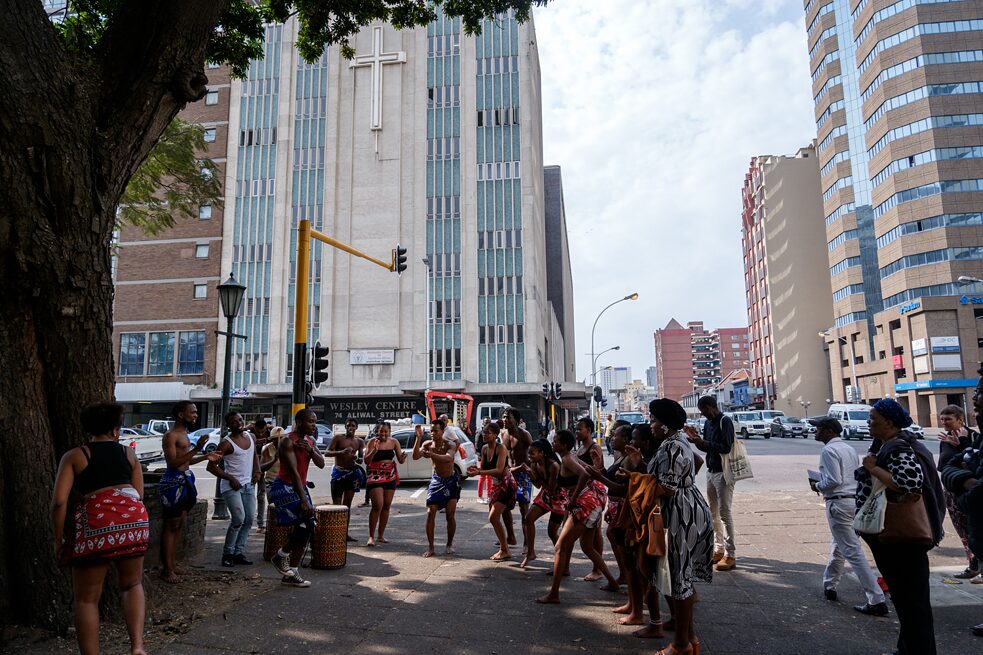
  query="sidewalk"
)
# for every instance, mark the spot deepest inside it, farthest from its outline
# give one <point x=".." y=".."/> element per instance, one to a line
<point x="391" y="600"/>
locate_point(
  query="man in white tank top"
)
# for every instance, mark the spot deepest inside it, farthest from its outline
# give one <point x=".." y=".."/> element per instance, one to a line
<point x="237" y="486"/>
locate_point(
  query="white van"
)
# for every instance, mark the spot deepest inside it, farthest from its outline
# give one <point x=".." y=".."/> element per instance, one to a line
<point x="854" y="419"/>
<point x="750" y="422"/>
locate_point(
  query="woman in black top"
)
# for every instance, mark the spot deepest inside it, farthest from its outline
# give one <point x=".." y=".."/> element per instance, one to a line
<point x="108" y="524"/>
<point x="494" y="464"/>
<point x="590" y="454"/>
<point x="543" y="469"/>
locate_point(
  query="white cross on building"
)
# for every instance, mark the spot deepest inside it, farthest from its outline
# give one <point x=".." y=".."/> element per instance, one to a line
<point x="376" y="61"/>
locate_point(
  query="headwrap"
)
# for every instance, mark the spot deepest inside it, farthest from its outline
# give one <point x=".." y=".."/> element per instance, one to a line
<point x="668" y="412"/>
<point x="893" y="412"/>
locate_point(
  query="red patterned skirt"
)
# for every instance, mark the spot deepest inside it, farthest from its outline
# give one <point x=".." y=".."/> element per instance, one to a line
<point x="589" y="505"/>
<point x="503" y="491"/>
<point x="555" y="502"/>
<point x="614" y="507"/>
<point x="382" y="474"/>
<point x="110" y="524"/>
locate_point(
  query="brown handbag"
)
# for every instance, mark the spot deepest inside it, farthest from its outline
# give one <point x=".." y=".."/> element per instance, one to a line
<point x="656" y="546"/>
<point x="906" y="521"/>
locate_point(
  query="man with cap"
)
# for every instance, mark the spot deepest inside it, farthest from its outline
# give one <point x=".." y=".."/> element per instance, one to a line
<point x="837" y="462"/>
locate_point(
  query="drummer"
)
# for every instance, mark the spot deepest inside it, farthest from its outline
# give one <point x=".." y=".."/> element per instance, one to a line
<point x="445" y="485"/>
<point x="347" y="477"/>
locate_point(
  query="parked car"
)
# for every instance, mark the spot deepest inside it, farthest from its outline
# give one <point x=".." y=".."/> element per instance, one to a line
<point x="632" y="417"/>
<point x="323" y="437"/>
<point x="148" y="447"/>
<point x="748" y="423"/>
<point x="214" y="436"/>
<point x="157" y="426"/>
<point x="771" y="414"/>
<point x="422" y="469"/>
<point x="789" y="426"/>
<point x="853" y="417"/>
<point x="810" y="426"/>
<point x="917" y="430"/>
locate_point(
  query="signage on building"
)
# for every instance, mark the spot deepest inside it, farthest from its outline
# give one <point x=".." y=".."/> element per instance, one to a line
<point x="971" y="300"/>
<point x="919" y="347"/>
<point x="920" y="363"/>
<point x="945" y="344"/>
<point x="910" y="307"/>
<point x="370" y="356"/>
<point x="898" y="362"/>
<point x="936" y="384"/>
<point x="369" y="410"/>
<point x="241" y="392"/>
<point x="947" y="362"/>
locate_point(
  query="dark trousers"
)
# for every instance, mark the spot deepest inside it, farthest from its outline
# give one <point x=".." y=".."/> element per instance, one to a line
<point x="905" y="569"/>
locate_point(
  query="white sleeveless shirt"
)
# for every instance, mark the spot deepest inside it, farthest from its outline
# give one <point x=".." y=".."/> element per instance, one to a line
<point x="239" y="463"/>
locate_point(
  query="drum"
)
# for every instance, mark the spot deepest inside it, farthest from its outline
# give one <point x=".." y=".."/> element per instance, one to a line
<point x="329" y="548"/>
<point x="276" y="535"/>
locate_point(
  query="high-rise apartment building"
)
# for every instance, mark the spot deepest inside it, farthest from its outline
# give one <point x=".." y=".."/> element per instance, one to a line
<point x="897" y="88"/>
<point x="693" y="357"/>
<point x="786" y="281"/>
<point x="652" y="378"/>
<point x="613" y="378"/>
<point x="428" y="138"/>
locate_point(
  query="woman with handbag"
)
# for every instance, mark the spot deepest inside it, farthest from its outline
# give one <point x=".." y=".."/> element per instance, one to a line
<point x="686" y="515"/>
<point x="904" y="471"/>
<point x="106" y="524"/>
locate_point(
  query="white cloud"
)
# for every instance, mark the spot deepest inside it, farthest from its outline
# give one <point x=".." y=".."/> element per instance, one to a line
<point x="654" y="110"/>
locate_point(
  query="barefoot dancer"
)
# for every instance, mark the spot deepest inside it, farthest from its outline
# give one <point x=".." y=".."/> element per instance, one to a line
<point x="544" y="468"/>
<point x="585" y="508"/>
<point x="347" y="477"/>
<point x="501" y="497"/>
<point x="517" y="443"/>
<point x="445" y="485"/>
<point x="590" y="454"/>
<point x="620" y="437"/>
<point x="383" y="453"/>
<point x="176" y="488"/>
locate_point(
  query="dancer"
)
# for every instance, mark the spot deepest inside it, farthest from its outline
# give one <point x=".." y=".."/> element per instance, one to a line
<point x="585" y="507"/>
<point x="383" y="478"/>
<point x="261" y="436"/>
<point x="620" y="438"/>
<point x="289" y="495"/>
<point x="445" y="485"/>
<point x="347" y="477"/>
<point x="237" y="484"/>
<point x="517" y="443"/>
<point x="590" y="454"/>
<point x="501" y="497"/>
<point x="107" y="524"/>
<point x="544" y="468"/>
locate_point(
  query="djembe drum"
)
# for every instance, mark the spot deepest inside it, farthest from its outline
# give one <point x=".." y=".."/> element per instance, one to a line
<point x="329" y="548"/>
<point x="276" y="535"/>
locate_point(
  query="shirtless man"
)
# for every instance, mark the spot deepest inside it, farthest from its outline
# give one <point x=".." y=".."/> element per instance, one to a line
<point x="177" y="486"/>
<point x="517" y="442"/>
<point x="347" y="477"/>
<point x="445" y="485"/>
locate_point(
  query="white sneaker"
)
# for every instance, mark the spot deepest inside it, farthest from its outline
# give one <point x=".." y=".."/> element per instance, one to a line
<point x="978" y="579"/>
<point x="293" y="579"/>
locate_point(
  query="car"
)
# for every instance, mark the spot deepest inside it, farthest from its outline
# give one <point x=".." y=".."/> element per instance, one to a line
<point x="789" y="426"/>
<point x="133" y="432"/>
<point x="853" y="417"/>
<point x="147" y="447"/>
<point x="422" y="469"/>
<point x="214" y="436"/>
<point x="916" y="430"/>
<point x="632" y="417"/>
<point x="750" y="422"/>
<point x="324" y="437"/>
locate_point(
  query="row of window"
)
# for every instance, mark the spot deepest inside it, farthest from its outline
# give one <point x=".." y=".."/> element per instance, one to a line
<point x="446" y="311"/>
<point x="945" y="289"/>
<point x="257" y="252"/>
<point x="843" y="264"/>
<point x="839" y="130"/>
<point x="826" y="61"/>
<point x="500" y="171"/>
<point x="949" y="89"/>
<point x="498" y="117"/>
<point x="136" y="358"/>
<point x="921" y="158"/>
<point x="501" y="285"/>
<point x="931" y="223"/>
<point x="254" y="188"/>
<point x="445" y="263"/>
<point x="928" y="190"/>
<point x="946" y="27"/>
<point x="444" y="96"/>
<point x="827" y="85"/>
<point x="930" y="59"/>
<point x="825" y="9"/>
<point x="828" y="32"/>
<point x="444" y="206"/>
<point x="923" y="125"/>
<point x="308" y="158"/>
<point x="444" y="148"/>
<point x="261" y="136"/>
<point x="841" y="238"/>
<point x="852" y="317"/>
<point x="836" y="186"/>
<point x="446" y="44"/>
<point x="497" y="65"/>
<point x="856" y="10"/>
<point x="312" y="107"/>
<point x="446" y="361"/>
<point x="842" y="155"/>
<point x="500" y="334"/>
<point x="499" y="239"/>
<point x="842" y="210"/>
<point x="932" y="257"/>
<point x="833" y="106"/>
<point x="847" y="291"/>
<point x="892" y="10"/>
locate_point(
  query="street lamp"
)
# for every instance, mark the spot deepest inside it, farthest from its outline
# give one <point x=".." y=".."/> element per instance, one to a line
<point x="805" y="406"/>
<point x="593" y="377"/>
<point x="598" y="356"/>
<point x="230" y="295"/>
<point x="853" y="358"/>
<point x="963" y="280"/>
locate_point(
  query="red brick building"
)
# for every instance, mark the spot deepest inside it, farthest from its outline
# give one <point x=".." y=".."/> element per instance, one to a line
<point x="693" y="357"/>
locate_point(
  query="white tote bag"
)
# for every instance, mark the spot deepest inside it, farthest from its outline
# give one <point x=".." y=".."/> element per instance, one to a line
<point x="870" y="516"/>
<point x="736" y="464"/>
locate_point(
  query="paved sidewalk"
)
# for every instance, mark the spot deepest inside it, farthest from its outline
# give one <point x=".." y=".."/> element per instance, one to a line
<point x="391" y="600"/>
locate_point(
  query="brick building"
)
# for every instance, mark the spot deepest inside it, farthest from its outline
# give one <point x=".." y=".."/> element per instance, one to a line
<point x="693" y="357"/>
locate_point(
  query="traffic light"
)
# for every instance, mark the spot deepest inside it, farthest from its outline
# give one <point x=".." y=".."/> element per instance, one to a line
<point x="319" y="364"/>
<point x="546" y="390"/>
<point x="557" y="390"/>
<point x="308" y="393"/>
<point x="597" y="394"/>
<point x="604" y="402"/>
<point x="399" y="259"/>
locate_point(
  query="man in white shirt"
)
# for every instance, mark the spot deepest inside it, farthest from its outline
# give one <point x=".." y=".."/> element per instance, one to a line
<point x="837" y="462"/>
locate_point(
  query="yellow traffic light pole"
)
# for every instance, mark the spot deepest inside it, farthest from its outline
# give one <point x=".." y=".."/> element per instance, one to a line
<point x="304" y="236"/>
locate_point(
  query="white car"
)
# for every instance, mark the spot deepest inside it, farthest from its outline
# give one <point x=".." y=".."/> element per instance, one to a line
<point x="422" y="469"/>
<point x="214" y="436"/>
<point x="750" y="423"/>
<point x="148" y="447"/>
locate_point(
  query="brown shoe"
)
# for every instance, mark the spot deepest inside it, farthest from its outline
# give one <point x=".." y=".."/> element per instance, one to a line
<point x="726" y="564"/>
<point x="717" y="556"/>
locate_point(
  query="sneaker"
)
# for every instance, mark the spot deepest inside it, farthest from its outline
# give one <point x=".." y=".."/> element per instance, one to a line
<point x="281" y="563"/>
<point x="978" y="579"/>
<point x="717" y="556"/>
<point x="880" y="609"/>
<point x="967" y="574"/>
<point x="830" y="594"/>
<point x="228" y="560"/>
<point x="726" y="564"/>
<point x="241" y="559"/>
<point x="293" y="579"/>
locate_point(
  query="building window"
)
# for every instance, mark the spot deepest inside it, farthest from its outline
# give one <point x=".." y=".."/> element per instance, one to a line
<point x="191" y="353"/>
<point x="213" y="64"/>
<point x="205" y="212"/>
<point x="161" y="353"/>
<point x="201" y="291"/>
<point x="210" y="135"/>
<point x="131" y="353"/>
<point x="201" y="251"/>
<point x="211" y="98"/>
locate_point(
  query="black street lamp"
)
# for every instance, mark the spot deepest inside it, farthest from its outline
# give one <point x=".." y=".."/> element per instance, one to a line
<point x="230" y="294"/>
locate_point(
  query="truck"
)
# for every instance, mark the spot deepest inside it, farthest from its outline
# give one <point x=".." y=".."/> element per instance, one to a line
<point x="157" y="426"/>
<point x="147" y="447"/>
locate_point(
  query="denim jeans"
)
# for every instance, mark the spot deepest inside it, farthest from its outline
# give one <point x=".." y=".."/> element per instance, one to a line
<point x="261" y="489"/>
<point x="242" y="507"/>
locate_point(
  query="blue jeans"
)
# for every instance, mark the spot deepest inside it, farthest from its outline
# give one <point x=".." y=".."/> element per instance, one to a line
<point x="242" y="507"/>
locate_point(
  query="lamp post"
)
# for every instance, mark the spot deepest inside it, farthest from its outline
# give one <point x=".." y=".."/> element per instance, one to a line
<point x="593" y="377"/>
<point x="853" y="358"/>
<point x="429" y="264"/>
<point x="598" y="356"/>
<point x="805" y="406"/>
<point x="230" y="295"/>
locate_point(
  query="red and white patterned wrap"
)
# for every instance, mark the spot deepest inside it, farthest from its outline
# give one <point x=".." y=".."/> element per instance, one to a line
<point x="110" y="524"/>
<point x="555" y="502"/>
<point x="592" y="497"/>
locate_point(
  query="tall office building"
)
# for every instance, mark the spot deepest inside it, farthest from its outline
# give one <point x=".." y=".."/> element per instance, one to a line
<point x="898" y="94"/>
<point x="427" y="138"/>
<point x="613" y="378"/>
<point x="786" y="281"/>
<point x="652" y="378"/>
<point x="693" y="357"/>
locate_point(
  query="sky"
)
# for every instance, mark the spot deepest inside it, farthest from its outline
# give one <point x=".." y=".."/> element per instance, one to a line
<point x="654" y="109"/>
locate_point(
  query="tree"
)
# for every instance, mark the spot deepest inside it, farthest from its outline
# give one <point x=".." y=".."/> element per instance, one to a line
<point x="83" y="102"/>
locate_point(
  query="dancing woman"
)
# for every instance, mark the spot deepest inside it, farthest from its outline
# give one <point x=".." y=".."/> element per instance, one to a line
<point x="502" y="495"/>
<point x="383" y="478"/>
<point x="544" y="468"/>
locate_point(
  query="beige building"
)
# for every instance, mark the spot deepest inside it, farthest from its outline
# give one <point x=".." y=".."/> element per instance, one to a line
<point x="786" y="281"/>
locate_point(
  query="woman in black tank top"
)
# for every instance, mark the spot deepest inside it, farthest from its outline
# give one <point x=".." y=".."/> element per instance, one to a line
<point x="494" y="464"/>
<point x="590" y="453"/>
